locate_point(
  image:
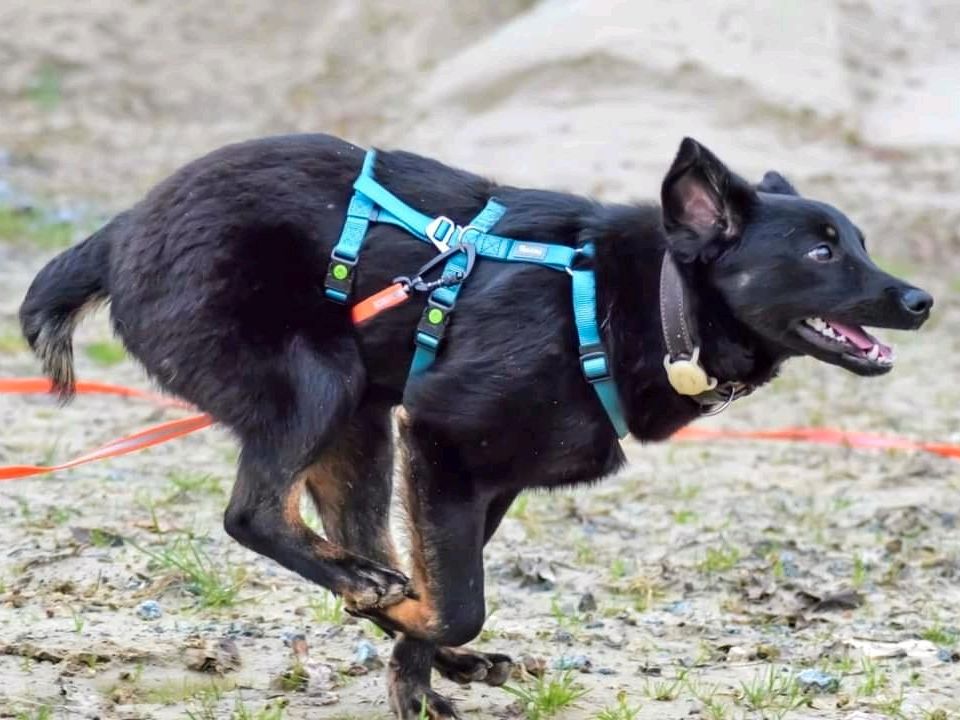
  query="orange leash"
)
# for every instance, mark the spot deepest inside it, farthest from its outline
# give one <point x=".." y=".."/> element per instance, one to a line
<point x="824" y="436"/>
<point x="42" y="386"/>
<point x="163" y="432"/>
<point x="153" y="435"/>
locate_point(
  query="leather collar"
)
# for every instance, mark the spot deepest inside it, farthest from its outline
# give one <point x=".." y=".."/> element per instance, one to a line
<point x="682" y="361"/>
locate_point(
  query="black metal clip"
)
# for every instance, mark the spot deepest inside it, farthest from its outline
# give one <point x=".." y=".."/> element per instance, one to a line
<point x="420" y="285"/>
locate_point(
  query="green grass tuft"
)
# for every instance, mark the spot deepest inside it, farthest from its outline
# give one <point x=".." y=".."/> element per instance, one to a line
<point x="621" y="711"/>
<point x="719" y="560"/>
<point x="215" y="585"/>
<point x="940" y="635"/>
<point x="772" y="690"/>
<point x="326" y="608"/>
<point x="544" y="698"/>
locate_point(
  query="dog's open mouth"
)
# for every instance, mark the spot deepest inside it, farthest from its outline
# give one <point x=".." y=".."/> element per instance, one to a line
<point x="847" y="340"/>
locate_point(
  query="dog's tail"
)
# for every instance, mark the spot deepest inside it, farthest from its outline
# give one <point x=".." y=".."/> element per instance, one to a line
<point x="73" y="281"/>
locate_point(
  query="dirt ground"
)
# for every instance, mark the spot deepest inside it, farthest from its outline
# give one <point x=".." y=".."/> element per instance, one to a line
<point x="703" y="579"/>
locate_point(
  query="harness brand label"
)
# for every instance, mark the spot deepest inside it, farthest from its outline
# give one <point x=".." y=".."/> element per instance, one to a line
<point x="526" y="250"/>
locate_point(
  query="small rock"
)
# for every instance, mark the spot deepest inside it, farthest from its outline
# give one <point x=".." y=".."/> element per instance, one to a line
<point x="739" y="654"/>
<point x="593" y="625"/>
<point x="894" y="546"/>
<point x="788" y="562"/>
<point x="767" y="652"/>
<point x="680" y="607"/>
<point x="605" y="671"/>
<point x="588" y="603"/>
<point x="562" y="636"/>
<point x="218" y="657"/>
<point x="817" y="682"/>
<point x="149" y="610"/>
<point x="947" y="656"/>
<point x="614" y="640"/>
<point x="572" y="662"/>
<point x="531" y="665"/>
<point x="843" y="600"/>
<point x="314" y="678"/>
<point x="365" y="654"/>
<point x="244" y="629"/>
<point x="534" y="572"/>
<point x="96" y="536"/>
<point x="291" y="635"/>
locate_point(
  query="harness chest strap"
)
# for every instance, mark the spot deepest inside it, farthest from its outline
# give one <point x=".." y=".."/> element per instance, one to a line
<point x="436" y="314"/>
<point x="371" y="202"/>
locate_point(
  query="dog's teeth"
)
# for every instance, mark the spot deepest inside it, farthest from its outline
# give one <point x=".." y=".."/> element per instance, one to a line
<point x="874" y="353"/>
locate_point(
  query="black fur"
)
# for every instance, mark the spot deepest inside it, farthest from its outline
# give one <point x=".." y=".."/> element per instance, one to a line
<point x="216" y="283"/>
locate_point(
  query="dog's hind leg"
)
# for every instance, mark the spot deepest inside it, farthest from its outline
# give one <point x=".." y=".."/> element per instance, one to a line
<point x="352" y="483"/>
<point x="291" y="435"/>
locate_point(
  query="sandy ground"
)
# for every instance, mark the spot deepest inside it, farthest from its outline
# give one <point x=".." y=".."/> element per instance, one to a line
<point x="705" y="562"/>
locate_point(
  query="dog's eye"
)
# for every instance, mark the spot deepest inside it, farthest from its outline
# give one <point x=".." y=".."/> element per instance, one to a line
<point x="821" y="253"/>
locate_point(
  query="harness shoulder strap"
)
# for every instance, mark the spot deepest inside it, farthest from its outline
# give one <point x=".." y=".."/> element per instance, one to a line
<point x="338" y="283"/>
<point x="436" y="314"/>
<point x="594" y="360"/>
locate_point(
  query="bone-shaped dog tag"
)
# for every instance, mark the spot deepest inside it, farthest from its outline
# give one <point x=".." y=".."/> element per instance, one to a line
<point x="687" y="376"/>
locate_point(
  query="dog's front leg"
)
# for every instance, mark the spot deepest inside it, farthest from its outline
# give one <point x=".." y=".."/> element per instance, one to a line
<point x="447" y="526"/>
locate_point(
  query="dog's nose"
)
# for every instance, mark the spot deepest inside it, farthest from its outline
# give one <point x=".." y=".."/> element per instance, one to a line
<point x="916" y="301"/>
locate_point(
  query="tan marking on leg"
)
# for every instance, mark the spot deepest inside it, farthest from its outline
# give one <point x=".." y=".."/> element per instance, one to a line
<point x="293" y="518"/>
<point x="416" y="617"/>
<point x="324" y="480"/>
<point x="291" y="505"/>
<point x="328" y="480"/>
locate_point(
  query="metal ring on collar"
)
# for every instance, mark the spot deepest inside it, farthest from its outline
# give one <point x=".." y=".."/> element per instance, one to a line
<point x="716" y="410"/>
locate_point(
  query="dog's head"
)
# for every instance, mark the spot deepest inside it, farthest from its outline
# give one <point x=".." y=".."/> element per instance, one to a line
<point x="794" y="271"/>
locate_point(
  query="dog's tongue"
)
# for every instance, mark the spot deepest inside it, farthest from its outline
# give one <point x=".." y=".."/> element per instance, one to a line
<point x="860" y="338"/>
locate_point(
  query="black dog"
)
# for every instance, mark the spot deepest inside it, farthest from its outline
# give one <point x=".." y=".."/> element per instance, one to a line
<point x="217" y="286"/>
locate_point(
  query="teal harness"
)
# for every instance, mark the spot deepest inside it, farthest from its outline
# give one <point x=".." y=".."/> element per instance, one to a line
<point x="460" y="245"/>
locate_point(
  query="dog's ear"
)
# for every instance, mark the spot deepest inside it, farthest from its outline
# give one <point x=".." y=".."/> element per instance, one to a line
<point x="775" y="183"/>
<point x="704" y="204"/>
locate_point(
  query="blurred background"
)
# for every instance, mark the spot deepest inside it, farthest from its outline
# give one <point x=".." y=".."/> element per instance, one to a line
<point x="857" y="101"/>
<point x="698" y="557"/>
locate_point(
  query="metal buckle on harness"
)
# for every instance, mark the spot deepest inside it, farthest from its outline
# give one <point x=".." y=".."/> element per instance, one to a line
<point x="594" y="363"/>
<point x="441" y="231"/>
<point x="338" y="283"/>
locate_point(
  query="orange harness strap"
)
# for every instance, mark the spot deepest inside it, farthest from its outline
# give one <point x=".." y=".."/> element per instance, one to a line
<point x="389" y="297"/>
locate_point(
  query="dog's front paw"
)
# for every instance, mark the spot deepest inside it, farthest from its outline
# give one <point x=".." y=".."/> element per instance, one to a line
<point x="371" y="587"/>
